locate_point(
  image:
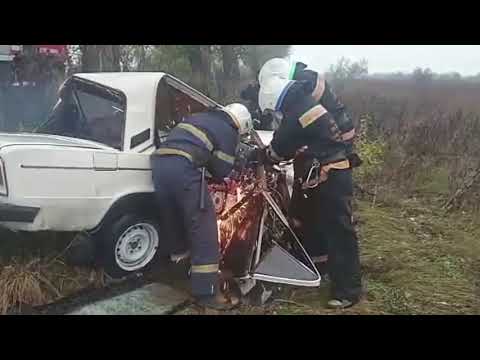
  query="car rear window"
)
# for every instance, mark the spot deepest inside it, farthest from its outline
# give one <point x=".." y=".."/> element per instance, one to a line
<point x="90" y="112"/>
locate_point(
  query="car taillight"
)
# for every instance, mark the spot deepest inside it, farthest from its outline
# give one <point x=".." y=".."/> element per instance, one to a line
<point x="3" y="179"/>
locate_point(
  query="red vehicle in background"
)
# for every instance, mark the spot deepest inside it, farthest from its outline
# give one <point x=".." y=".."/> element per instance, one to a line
<point x="36" y="63"/>
<point x="57" y="52"/>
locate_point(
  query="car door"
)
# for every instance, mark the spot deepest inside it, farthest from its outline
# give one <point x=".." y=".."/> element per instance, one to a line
<point x="281" y="259"/>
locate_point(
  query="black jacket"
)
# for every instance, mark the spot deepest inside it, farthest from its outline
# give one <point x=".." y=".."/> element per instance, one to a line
<point x="328" y="99"/>
<point x="306" y="123"/>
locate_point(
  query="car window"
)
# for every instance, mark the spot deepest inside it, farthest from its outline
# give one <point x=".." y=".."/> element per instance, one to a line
<point x="103" y="119"/>
<point x="88" y="112"/>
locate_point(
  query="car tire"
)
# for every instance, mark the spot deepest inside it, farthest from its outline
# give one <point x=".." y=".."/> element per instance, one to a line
<point x="129" y="245"/>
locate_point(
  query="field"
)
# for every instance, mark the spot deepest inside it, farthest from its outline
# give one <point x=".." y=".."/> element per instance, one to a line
<point x="417" y="211"/>
<point x="420" y="147"/>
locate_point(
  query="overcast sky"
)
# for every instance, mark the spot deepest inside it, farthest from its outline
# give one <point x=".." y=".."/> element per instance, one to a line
<point x="464" y="59"/>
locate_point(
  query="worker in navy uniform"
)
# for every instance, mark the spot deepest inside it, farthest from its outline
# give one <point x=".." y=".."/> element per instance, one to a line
<point x="327" y="180"/>
<point x="301" y="207"/>
<point x="202" y="144"/>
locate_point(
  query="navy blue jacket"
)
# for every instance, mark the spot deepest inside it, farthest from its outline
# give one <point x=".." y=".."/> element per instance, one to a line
<point x="210" y="137"/>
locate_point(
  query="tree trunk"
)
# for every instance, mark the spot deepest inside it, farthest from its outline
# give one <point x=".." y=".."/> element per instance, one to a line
<point x="231" y="71"/>
<point x="109" y="57"/>
<point x="90" y="58"/>
<point x="141" y="58"/>
<point x="199" y="58"/>
<point x="206" y="54"/>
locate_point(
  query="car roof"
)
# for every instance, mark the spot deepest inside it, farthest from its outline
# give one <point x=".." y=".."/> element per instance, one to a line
<point x="127" y="82"/>
<point x="140" y="89"/>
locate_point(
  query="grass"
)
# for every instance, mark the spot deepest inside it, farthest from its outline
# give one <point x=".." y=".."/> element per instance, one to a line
<point x="29" y="280"/>
<point x="433" y="182"/>
<point x="414" y="261"/>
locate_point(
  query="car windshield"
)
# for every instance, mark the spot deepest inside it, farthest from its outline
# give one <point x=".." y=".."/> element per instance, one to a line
<point x="90" y="112"/>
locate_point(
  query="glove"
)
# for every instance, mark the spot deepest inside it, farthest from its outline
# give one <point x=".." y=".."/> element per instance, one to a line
<point x="355" y="160"/>
<point x="256" y="157"/>
<point x="252" y="158"/>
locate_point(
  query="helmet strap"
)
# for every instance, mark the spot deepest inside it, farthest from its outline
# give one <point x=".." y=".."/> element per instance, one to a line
<point x="279" y="103"/>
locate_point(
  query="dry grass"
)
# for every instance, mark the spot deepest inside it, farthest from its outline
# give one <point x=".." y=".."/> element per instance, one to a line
<point x="426" y="128"/>
<point x="415" y="260"/>
<point x="32" y="281"/>
<point x="21" y="284"/>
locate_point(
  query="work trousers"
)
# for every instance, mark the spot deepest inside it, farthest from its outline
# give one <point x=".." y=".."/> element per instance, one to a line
<point x="327" y="228"/>
<point x="184" y="225"/>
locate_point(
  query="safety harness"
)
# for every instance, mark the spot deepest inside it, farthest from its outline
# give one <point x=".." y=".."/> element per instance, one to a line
<point x="319" y="174"/>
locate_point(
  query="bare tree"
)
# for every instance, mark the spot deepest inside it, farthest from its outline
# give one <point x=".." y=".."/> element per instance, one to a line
<point x="231" y="71"/>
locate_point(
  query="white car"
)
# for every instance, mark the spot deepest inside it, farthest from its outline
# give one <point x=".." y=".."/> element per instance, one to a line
<point x="87" y="168"/>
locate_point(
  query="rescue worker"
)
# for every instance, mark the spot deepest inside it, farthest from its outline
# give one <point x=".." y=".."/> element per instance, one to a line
<point x="327" y="181"/>
<point x="300" y="206"/>
<point x="202" y="142"/>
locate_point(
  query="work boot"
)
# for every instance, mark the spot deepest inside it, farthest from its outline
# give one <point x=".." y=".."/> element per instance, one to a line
<point x="340" y="304"/>
<point x="217" y="302"/>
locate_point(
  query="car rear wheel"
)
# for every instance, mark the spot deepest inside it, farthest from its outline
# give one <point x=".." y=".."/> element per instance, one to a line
<point x="129" y="245"/>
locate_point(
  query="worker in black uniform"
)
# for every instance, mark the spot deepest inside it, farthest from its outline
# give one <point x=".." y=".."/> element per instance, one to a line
<point x="327" y="181"/>
<point x="201" y="143"/>
<point x="301" y="206"/>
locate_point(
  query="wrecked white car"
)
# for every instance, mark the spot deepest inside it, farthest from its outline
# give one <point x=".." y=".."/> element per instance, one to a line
<point x="87" y="169"/>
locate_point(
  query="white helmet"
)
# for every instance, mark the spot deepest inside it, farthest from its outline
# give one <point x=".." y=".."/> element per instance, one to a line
<point x="278" y="67"/>
<point x="241" y="116"/>
<point x="272" y="93"/>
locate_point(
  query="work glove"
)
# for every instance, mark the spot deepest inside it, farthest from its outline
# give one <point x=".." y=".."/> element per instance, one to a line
<point x="355" y="160"/>
<point x="256" y="157"/>
<point x="259" y="157"/>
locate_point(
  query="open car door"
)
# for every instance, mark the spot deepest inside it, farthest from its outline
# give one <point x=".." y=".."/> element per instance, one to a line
<point x="279" y="256"/>
<point x="256" y="240"/>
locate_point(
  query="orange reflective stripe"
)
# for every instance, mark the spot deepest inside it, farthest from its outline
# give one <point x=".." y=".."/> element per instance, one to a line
<point x="311" y="115"/>
<point x="348" y="135"/>
<point x="341" y="165"/>
<point x="319" y="89"/>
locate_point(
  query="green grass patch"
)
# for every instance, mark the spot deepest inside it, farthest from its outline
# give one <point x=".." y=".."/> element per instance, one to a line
<point x="415" y="260"/>
<point x="432" y="181"/>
